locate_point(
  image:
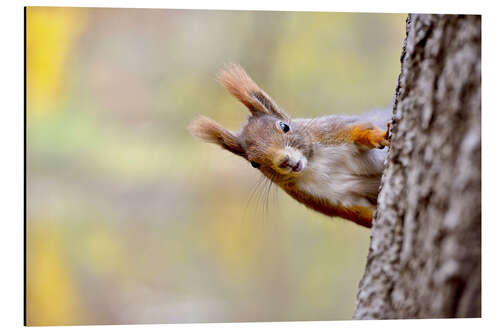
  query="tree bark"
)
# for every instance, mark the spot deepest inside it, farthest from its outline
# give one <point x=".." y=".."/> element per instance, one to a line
<point x="424" y="259"/>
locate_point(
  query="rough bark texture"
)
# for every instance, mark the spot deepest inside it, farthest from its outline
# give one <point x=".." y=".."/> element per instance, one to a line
<point x="425" y="254"/>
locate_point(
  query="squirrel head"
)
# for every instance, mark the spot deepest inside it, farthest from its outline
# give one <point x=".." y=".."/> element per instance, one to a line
<point x="270" y="140"/>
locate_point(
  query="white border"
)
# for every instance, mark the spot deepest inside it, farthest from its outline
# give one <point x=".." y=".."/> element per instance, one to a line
<point x="11" y="175"/>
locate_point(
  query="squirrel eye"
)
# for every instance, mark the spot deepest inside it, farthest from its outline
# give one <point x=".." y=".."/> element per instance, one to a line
<point x="284" y="127"/>
<point x="255" y="164"/>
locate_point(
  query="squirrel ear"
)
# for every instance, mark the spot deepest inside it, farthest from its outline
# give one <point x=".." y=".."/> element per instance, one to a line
<point x="210" y="131"/>
<point x="240" y="85"/>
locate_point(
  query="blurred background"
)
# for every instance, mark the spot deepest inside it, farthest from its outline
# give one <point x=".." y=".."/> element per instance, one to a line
<point x="130" y="219"/>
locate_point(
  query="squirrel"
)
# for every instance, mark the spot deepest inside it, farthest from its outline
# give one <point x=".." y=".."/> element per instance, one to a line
<point x="327" y="163"/>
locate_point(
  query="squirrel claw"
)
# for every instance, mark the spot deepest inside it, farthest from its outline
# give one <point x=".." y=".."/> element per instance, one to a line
<point x="384" y="141"/>
<point x="370" y="137"/>
<point x="378" y="139"/>
<point x="388" y="131"/>
<point x="383" y="144"/>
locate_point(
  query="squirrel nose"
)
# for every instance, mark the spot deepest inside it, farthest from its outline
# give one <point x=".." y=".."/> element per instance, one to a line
<point x="285" y="162"/>
<point x="289" y="160"/>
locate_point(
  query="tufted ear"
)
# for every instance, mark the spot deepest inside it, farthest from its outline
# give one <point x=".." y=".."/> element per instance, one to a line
<point x="210" y="131"/>
<point x="240" y="85"/>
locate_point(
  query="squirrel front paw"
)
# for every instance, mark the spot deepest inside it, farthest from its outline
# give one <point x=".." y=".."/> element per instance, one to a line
<point x="370" y="136"/>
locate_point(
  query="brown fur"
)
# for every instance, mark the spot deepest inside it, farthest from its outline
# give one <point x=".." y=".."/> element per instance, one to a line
<point x="360" y="215"/>
<point x="240" y="85"/>
<point x="210" y="131"/>
<point x="365" y="135"/>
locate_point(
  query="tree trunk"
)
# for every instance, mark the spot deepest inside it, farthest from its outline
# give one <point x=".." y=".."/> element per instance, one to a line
<point x="425" y="253"/>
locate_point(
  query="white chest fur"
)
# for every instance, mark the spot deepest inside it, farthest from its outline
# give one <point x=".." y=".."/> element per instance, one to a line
<point x="343" y="174"/>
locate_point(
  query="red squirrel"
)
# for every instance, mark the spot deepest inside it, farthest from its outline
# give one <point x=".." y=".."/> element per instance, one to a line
<point x="327" y="163"/>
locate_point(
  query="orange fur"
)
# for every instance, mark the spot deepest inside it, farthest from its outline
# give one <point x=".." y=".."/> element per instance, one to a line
<point x="210" y="131"/>
<point x="368" y="136"/>
<point x="358" y="214"/>
<point x="240" y="85"/>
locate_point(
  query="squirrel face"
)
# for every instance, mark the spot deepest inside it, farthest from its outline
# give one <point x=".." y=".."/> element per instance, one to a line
<point x="270" y="140"/>
<point x="278" y="147"/>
